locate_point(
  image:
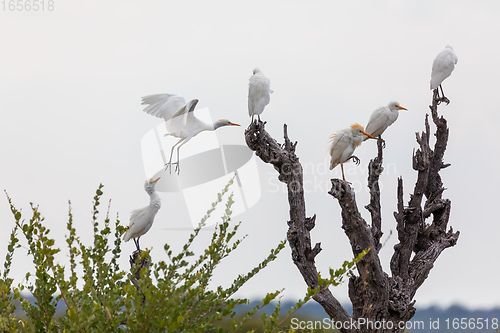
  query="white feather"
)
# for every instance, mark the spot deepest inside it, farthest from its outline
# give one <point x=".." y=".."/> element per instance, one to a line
<point x="442" y="66"/>
<point x="142" y="219"/>
<point x="163" y="105"/>
<point x="179" y="117"/>
<point x="344" y="143"/>
<point x="341" y="148"/>
<point x="259" y="90"/>
<point x="382" y="118"/>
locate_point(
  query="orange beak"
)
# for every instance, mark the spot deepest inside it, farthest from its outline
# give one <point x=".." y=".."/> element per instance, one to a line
<point x="401" y="108"/>
<point x="154" y="181"/>
<point x="369" y="135"/>
<point x="230" y="123"/>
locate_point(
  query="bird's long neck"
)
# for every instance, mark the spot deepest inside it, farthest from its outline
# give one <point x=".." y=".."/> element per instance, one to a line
<point x="216" y="125"/>
<point x="154" y="200"/>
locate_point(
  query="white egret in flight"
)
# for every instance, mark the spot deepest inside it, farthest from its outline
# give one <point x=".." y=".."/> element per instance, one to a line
<point x="142" y="219"/>
<point x="442" y="67"/>
<point x="382" y="118"/>
<point x="344" y="143"/>
<point x="258" y="93"/>
<point x="179" y="119"/>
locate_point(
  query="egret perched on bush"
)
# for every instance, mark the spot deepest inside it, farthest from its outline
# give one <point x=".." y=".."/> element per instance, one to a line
<point x="344" y="143"/>
<point x="259" y="90"/>
<point x="442" y="67"/>
<point x="179" y="119"/>
<point x="382" y="118"/>
<point x="142" y="219"/>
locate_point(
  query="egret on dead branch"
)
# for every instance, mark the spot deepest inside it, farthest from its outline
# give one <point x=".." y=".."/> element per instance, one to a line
<point x="442" y="67"/>
<point x="142" y="219"/>
<point x="344" y="143"/>
<point x="258" y="93"/>
<point x="382" y="118"/>
<point x="179" y="120"/>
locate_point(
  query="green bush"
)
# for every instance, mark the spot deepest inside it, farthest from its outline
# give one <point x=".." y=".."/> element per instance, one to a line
<point x="163" y="296"/>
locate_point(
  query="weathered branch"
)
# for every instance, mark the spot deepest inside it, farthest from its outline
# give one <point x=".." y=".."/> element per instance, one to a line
<point x="374" y="295"/>
<point x="435" y="185"/>
<point x="284" y="160"/>
<point x="370" y="287"/>
<point x="375" y="168"/>
<point x="416" y="237"/>
<point x="433" y="238"/>
<point x="410" y="219"/>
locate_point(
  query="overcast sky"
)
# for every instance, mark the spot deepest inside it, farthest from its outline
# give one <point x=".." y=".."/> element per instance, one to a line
<point x="71" y="81"/>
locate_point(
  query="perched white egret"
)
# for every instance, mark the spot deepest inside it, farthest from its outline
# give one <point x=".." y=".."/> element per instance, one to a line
<point x="442" y="67"/>
<point x="382" y="118"/>
<point x="344" y="143"/>
<point x="179" y="119"/>
<point x="142" y="219"/>
<point x="258" y="93"/>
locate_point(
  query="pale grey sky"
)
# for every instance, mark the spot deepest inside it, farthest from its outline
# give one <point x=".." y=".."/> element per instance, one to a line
<point x="71" y="81"/>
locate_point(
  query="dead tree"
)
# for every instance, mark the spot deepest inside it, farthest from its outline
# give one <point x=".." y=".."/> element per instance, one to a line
<point x="383" y="303"/>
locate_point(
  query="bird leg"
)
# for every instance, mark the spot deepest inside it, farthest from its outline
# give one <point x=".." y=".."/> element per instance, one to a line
<point x="136" y="241"/>
<point x="178" y="167"/>
<point x="354" y="159"/>
<point x="442" y="98"/>
<point x="381" y="140"/>
<point x="258" y="117"/>
<point x="169" y="164"/>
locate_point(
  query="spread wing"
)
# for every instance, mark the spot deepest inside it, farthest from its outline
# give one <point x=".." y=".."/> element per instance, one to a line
<point x="176" y="125"/>
<point x="163" y="105"/>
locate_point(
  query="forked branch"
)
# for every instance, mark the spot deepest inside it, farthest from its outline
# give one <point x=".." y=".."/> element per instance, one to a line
<point x="284" y="160"/>
<point x="375" y="295"/>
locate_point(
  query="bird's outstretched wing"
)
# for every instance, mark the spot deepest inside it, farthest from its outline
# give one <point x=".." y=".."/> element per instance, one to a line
<point x="163" y="105"/>
<point x="181" y="118"/>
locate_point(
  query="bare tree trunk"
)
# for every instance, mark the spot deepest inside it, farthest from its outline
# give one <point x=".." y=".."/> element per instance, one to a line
<point x="381" y="303"/>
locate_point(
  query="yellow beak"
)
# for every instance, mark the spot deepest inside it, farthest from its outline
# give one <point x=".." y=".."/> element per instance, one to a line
<point x="368" y="135"/>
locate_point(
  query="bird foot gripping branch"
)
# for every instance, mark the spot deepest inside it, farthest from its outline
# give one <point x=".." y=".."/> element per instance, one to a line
<point x="137" y="262"/>
<point x="373" y="293"/>
<point x="442" y="67"/>
<point x="443" y="99"/>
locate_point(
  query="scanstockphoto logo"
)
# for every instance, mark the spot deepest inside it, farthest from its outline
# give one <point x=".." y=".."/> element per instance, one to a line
<point x="206" y="167"/>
